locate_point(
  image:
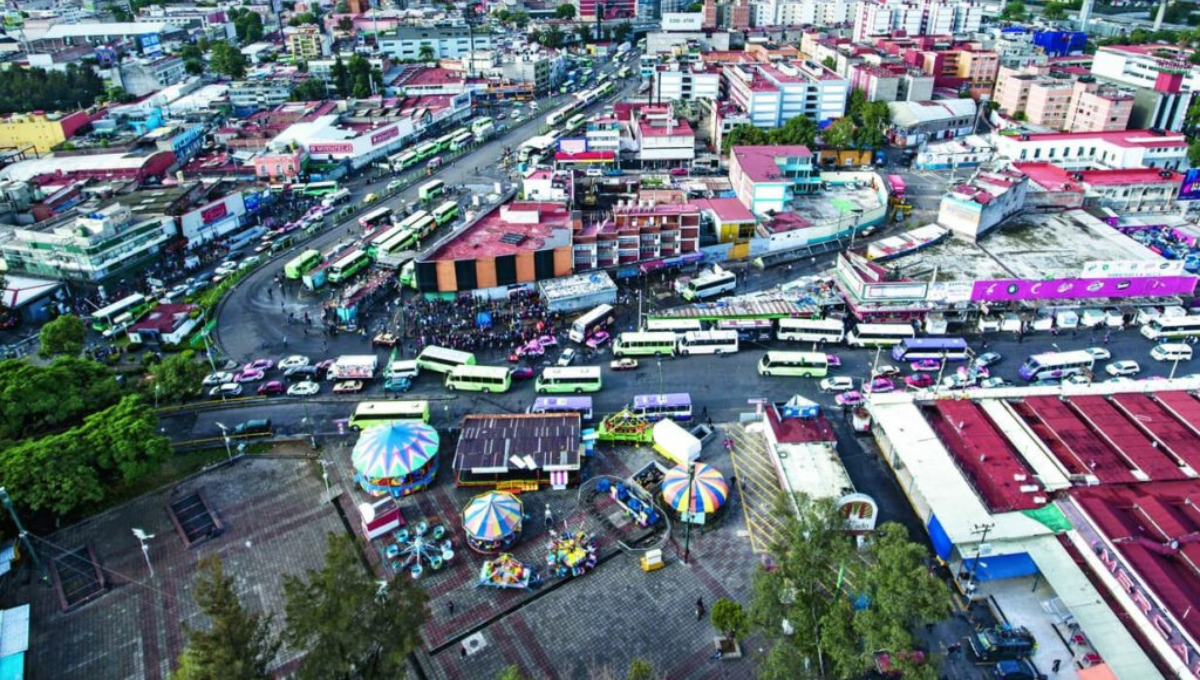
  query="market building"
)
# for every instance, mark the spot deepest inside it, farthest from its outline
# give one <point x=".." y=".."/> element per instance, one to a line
<point x="1118" y="149"/>
<point x="1137" y="190"/>
<point x="40" y="131"/>
<point x="519" y="452"/>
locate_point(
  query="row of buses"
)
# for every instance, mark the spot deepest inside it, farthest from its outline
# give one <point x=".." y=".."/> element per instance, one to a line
<point x="455" y="141"/>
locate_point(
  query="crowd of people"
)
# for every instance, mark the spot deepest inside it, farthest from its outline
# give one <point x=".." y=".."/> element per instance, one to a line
<point x="468" y="324"/>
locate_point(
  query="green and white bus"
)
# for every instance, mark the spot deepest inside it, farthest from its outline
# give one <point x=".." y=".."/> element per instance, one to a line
<point x="376" y="241"/>
<point x="654" y="343"/>
<point x="136" y="305"/>
<point x="461" y="140"/>
<point x="575" y="121"/>
<point x="372" y="413"/>
<point x="302" y="263"/>
<point x="491" y="379"/>
<point x="431" y="190"/>
<point x="317" y="189"/>
<point x="404" y="240"/>
<point x="403" y="161"/>
<point x="445" y="213"/>
<point x="442" y="360"/>
<point x="354" y="262"/>
<point x="564" y="379"/>
<point x="426" y="150"/>
<point x="798" y="364"/>
<point x="443" y="142"/>
<point x="708" y="342"/>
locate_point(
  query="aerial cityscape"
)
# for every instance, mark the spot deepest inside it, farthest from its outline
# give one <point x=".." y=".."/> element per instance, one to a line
<point x="599" y="339"/>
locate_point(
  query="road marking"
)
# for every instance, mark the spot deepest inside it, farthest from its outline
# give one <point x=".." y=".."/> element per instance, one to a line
<point x="758" y="486"/>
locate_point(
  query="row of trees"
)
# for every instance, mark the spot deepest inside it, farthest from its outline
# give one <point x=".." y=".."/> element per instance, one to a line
<point x="355" y="79"/>
<point x="346" y="624"/>
<point x="862" y="128"/>
<point x="35" y="89"/>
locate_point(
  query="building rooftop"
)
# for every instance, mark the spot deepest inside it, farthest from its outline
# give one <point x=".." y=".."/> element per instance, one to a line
<point x="726" y="209"/>
<point x="60" y="31"/>
<point x="499" y="443"/>
<point x="164" y="318"/>
<point x="1123" y="138"/>
<point x="52" y="164"/>
<point x="507" y="230"/>
<point x="759" y="162"/>
<point x="799" y="430"/>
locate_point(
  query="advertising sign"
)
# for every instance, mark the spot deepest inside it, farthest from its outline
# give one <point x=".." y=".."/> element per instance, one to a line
<point x="331" y="148"/>
<point x="1109" y="268"/>
<point x="1190" y="189"/>
<point x="572" y="145"/>
<point x="385" y="135"/>
<point x="151" y="45"/>
<point x="1061" y="289"/>
<point x="912" y="290"/>
<point x="213" y="213"/>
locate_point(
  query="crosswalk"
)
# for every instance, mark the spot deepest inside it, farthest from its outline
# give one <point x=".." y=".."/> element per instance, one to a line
<point x="757" y="486"/>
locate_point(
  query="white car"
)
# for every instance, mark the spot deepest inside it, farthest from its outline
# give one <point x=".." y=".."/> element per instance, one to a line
<point x="218" y="378"/>
<point x="293" y="361"/>
<point x="992" y="383"/>
<point x="304" y="389"/>
<point x="226" y="390"/>
<point x="249" y="262"/>
<point x="567" y="357"/>
<point x="1123" y="368"/>
<point x="1099" y="353"/>
<point x="226" y="269"/>
<point x="885" y="371"/>
<point x="594" y="172"/>
<point x="838" y="384"/>
<point x="1077" y="379"/>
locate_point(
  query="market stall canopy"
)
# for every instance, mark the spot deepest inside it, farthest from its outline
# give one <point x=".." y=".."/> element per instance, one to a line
<point x="707" y="491"/>
<point x="394" y="450"/>
<point x="492" y="516"/>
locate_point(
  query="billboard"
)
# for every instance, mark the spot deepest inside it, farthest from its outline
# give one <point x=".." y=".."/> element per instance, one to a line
<point x="572" y="145"/>
<point x="1061" y="289"/>
<point x="151" y="45"/>
<point x="1102" y="269"/>
<point x="1190" y="189"/>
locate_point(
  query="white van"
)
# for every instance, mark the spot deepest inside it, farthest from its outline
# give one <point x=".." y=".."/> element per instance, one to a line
<point x="988" y="324"/>
<point x="401" y="369"/>
<point x="1066" y="319"/>
<point x="1043" y="320"/>
<point x="1147" y="314"/>
<point x="1113" y="318"/>
<point x="1010" y="323"/>
<point x="1171" y="351"/>
<point x="1090" y="318"/>
<point x="339" y="196"/>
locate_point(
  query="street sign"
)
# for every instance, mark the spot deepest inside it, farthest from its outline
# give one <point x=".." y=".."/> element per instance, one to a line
<point x="692" y="517"/>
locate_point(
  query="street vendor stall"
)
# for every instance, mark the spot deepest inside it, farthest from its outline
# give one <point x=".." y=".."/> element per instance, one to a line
<point x="571" y="553"/>
<point x="396" y="459"/>
<point x="675" y="443"/>
<point x="696" y="493"/>
<point x="507" y="572"/>
<point x="492" y="521"/>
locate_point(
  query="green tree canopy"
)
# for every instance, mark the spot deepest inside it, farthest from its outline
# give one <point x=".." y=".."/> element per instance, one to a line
<point x="228" y="60"/>
<point x="341" y="76"/>
<point x="342" y="619"/>
<point x="641" y="669"/>
<point x="425" y="52"/>
<point x="1014" y="10"/>
<point x="551" y="37"/>
<point x="841" y="134"/>
<point x="302" y="19"/>
<point x="64" y="335"/>
<point x="565" y="11"/>
<point x="797" y="130"/>
<point x="249" y="26"/>
<point x="310" y="90"/>
<point x="28" y="89"/>
<point x="512" y="672"/>
<point x="729" y="618"/>
<point x="623" y="31"/>
<point x="1194" y="153"/>
<point x="345" y="24"/>
<point x="178" y="377"/>
<point x="1054" y="11"/>
<point x="36" y="400"/>
<point x="237" y="645"/>
<point x="744" y="135"/>
<point x="873" y="118"/>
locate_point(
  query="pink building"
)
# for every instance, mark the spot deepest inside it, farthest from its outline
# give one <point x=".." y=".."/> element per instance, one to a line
<point x="1063" y="98"/>
<point x="278" y="167"/>
<point x="639" y="232"/>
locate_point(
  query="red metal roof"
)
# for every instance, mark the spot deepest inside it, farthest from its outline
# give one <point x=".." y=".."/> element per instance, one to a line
<point x="1112" y="426"/>
<point x="799" y="430"/>
<point x="988" y="461"/>
<point x="1160" y="425"/>
<point x="1070" y="440"/>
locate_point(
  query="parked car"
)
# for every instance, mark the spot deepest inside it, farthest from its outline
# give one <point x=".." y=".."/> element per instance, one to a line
<point x="567" y="357"/>
<point x="833" y="361"/>
<point x="594" y="172"/>
<point x="245" y="376"/>
<point x="521" y="372"/>
<point x="394" y="185"/>
<point x="226" y="390"/>
<point x="348" y="387"/>
<point x="851" y="398"/>
<point x="177" y="291"/>
<point x="885" y="371"/>
<point x="1078" y="379"/>
<point x="258" y="426"/>
<point x="679" y="172"/>
<point x="396" y="385"/>
<point x="988" y="359"/>
<point x="837" y="384"/>
<point x="294" y="361"/>
<point x="272" y="387"/>
<point x="1016" y="669"/>
<point x="926" y="365"/>
<point x="1099" y="353"/>
<point x="992" y="383"/>
<point x="249" y="262"/>
<point x="304" y="389"/>
<point x="919" y="381"/>
<point x="879" y="386"/>
<point x="548" y="341"/>
<point x="301" y="374"/>
<point x="1119" y="379"/>
<point x="626" y="364"/>
<point x="958" y="381"/>
<point x="369" y="199"/>
<point x="218" y="378"/>
<point x="259" y="365"/>
<point x="1123" y="368"/>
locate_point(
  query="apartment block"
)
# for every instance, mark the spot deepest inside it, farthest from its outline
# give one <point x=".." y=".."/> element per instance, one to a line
<point x="770" y="94"/>
<point x="767" y="178"/>
<point x="140" y="77"/>
<point x="686" y="82"/>
<point x="891" y="82"/>
<point x="663" y="140"/>
<point x="804" y="12"/>
<point x="306" y="43"/>
<point x="914" y="18"/>
<point x="1164" y="82"/>
<point x="263" y="93"/>
<point x="446" y="41"/>
<point x="639" y="231"/>
<point x="1066" y="98"/>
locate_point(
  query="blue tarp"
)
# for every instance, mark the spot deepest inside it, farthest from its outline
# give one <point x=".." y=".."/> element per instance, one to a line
<point x="937" y="535"/>
<point x="1000" y="567"/>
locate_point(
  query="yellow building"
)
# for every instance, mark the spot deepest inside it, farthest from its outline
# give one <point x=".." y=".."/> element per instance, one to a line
<point x="42" y="131"/>
<point x="306" y="43"/>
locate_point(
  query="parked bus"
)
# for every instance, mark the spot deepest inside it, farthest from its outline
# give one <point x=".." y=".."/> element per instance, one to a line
<point x="339" y="196"/>
<point x="443" y="142"/>
<point x="380" y="237"/>
<point x="318" y="189"/>
<point x="555" y="117"/>
<point x="748" y="330"/>
<point x="372" y="413"/>
<point x="949" y="349"/>
<point x="1056" y="365"/>
<point x="575" y="121"/>
<point x="442" y="360"/>
<point x="445" y="213"/>
<point x="634" y="344"/>
<point x="673" y="325"/>
<point x="426" y="150"/>
<point x="623" y="72"/>
<point x="482" y="128"/>
<point x="708" y="342"/>
<point x="431" y="190"/>
<point x="577" y="379"/>
<point x="879" y="334"/>
<point x="301" y="264"/>
<point x="403" y="161"/>
<point x="1172" y="327"/>
<point x="136" y="305"/>
<point x="811" y="330"/>
<point x="402" y="241"/>
<point x="580" y="405"/>
<point x="491" y="379"/>
<point x="676" y="406"/>
<point x="709" y="285"/>
<point x="461" y="141"/>
<point x="798" y="364"/>
<point x="348" y="266"/>
<point x="595" y="320"/>
<point x="375" y="219"/>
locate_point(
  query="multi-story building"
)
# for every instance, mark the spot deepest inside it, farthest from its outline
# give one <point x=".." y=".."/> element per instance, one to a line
<point x="916" y="122"/>
<point x="140" y="77"/>
<point x="770" y="94"/>
<point x="147" y="39"/>
<point x="213" y="22"/>
<point x="915" y="17"/>
<point x="1065" y="99"/>
<point x="323" y="68"/>
<point x="613" y="9"/>
<point x="972" y="209"/>
<point x="639" y="231"/>
<point x="603" y="134"/>
<point x="767" y="178"/>
<point x="686" y="82"/>
<point x="1117" y="150"/>
<point x="1097" y="108"/>
<point x="306" y="43"/>
<point x="1139" y="190"/>
<point x="549" y="185"/>
<point x="41" y="131"/>
<point x="804" y="12"/>
<point x="663" y="141"/>
<point x="261" y="93"/>
<point x="446" y="41"/>
<point x="1163" y="80"/>
<point x="95" y="248"/>
<point x="891" y="82"/>
<point x="543" y="71"/>
<point x="729" y="14"/>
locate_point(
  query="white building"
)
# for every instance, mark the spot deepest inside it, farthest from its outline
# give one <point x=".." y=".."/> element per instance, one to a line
<point x="663" y="141"/>
<point x="603" y="134"/>
<point x="549" y="185"/>
<point x="916" y="17"/>
<point x="140" y="77"/>
<point x="770" y="94"/>
<point x="326" y="140"/>
<point x="685" y="82"/>
<point x="1117" y="150"/>
<point x="1164" y="81"/>
<point x="804" y="12"/>
<point x="973" y="209"/>
<point x="447" y="42"/>
<point x="261" y="94"/>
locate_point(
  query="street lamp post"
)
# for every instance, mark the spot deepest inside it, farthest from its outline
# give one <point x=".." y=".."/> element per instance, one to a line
<point x="854" y="229"/>
<point x="312" y="428"/>
<point x="325" y="472"/>
<point x="690" y="503"/>
<point x="978" y="529"/>
<point x="144" y="538"/>
<point x="225" y="436"/>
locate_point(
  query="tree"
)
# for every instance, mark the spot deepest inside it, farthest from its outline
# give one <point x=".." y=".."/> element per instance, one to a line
<point x="565" y="11"/>
<point x="1014" y="10"/>
<point x="583" y="32"/>
<point x="1020" y="117"/>
<point x="640" y="669"/>
<point x="345" y="25"/>
<point x="425" y="53"/>
<point x="1054" y="11"/>
<point x="622" y="32"/>
<point x="1194" y="153"/>
<point x="342" y="619"/>
<point x="36" y="400"/>
<point x="856" y="103"/>
<point x="829" y="63"/>
<point x="29" y="89"/>
<point x="729" y="618"/>
<point x="840" y="135"/>
<point x="551" y="37"/>
<point x="228" y="60"/>
<point x="744" y="135"/>
<point x="238" y="644"/>
<point x="248" y="25"/>
<point x="63" y="335"/>
<point x="302" y="19"/>
<point x="695" y="7"/>
<point x="798" y="130"/>
<point x="178" y="377"/>
<point x="342" y="7"/>
<point x="118" y="95"/>
<point x="311" y="90"/>
<point x="874" y="117"/>
<point x="341" y="76"/>
<point x="513" y="672"/>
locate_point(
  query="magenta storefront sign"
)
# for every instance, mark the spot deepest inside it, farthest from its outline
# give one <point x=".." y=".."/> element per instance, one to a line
<point x="1059" y="289"/>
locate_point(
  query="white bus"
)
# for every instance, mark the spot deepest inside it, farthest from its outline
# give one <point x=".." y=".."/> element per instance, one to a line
<point x="105" y="316"/>
<point x="1172" y="327"/>
<point x="673" y="325"/>
<point x="709" y="285"/>
<point x="748" y="330"/>
<point x="708" y="342"/>
<point x="1056" y="365"/>
<point x="879" y="334"/>
<point x="563" y="379"/>
<point x="442" y="360"/>
<point x="811" y="330"/>
<point x="479" y="378"/>
<point x="798" y="364"/>
<point x="634" y="344"/>
<point x="595" y="320"/>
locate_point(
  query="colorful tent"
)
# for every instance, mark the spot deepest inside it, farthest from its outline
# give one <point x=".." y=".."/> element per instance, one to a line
<point x="707" y="493"/>
<point x="492" y="516"/>
<point x="395" y="450"/>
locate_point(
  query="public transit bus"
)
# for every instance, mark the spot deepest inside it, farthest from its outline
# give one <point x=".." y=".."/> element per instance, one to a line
<point x="377" y="240"/>
<point x="442" y="360"/>
<point x="634" y="344"/>
<point x="403" y="161"/>
<point x="445" y="141"/>
<point x="423" y="226"/>
<point x="479" y="378"/>
<point x="709" y="285"/>
<point x="556" y="117"/>
<point x="461" y="140"/>
<point x="575" y="121"/>
<point x="351" y="264"/>
<point x="426" y="150"/>
<point x="375" y="219"/>
<point x="136" y="305"/>
<point x="1172" y="328"/>
<point x="318" y="189"/>
<point x="445" y="213"/>
<point x="300" y="264"/>
<point x="811" y="330"/>
<point x="673" y="325"/>
<point x="372" y="413"/>
<point x="1056" y="365"/>
<point x="676" y="406"/>
<point x="580" y="405"/>
<point x="399" y="243"/>
<point x="431" y="190"/>
<point x="748" y="330"/>
<point x="595" y="320"/>
<point x="561" y="379"/>
<point x="950" y="349"/>
<point x="879" y="334"/>
<point x="623" y="72"/>
<point x="482" y="128"/>
<point x="708" y="342"/>
<point x="798" y="364"/>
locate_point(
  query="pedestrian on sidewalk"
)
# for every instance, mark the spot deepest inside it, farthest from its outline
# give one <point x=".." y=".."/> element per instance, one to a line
<point x="699" y="608"/>
<point x="450" y="607"/>
<point x="549" y="518"/>
<point x="462" y="650"/>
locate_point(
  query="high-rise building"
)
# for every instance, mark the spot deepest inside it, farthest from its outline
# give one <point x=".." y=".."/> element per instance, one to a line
<point x="916" y="17"/>
<point x="770" y="94"/>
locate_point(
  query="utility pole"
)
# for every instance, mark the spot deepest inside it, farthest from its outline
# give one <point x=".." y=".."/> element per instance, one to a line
<point x="21" y="533"/>
<point x="688" y="512"/>
<point x="144" y="539"/>
<point x="983" y="529"/>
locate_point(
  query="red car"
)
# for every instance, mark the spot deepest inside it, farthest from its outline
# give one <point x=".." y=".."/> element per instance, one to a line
<point x="273" y="387"/>
<point x="919" y="381"/>
<point x="521" y="372"/>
